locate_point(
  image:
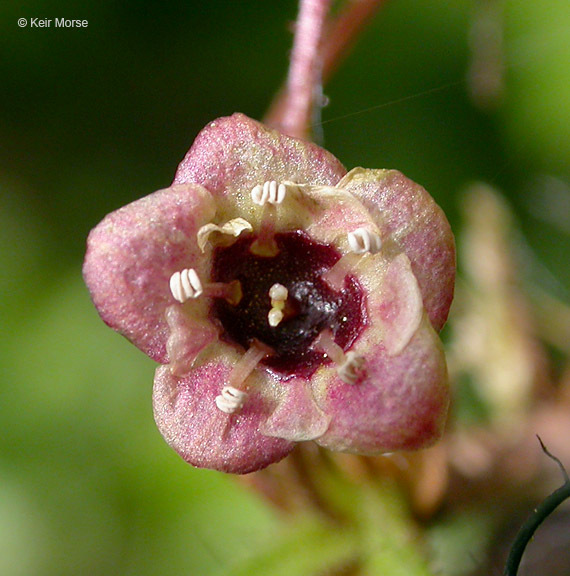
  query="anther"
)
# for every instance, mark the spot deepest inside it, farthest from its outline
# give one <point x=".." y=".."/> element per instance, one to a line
<point x="271" y="192"/>
<point x="274" y="317"/>
<point x="278" y="293"/>
<point x="350" y="367"/>
<point x="363" y="240"/>
<point x="186" y="285"/>
<point x="230" y="400"/>
<point x="360" y="241"/>
<point x="268" y="195"/>
<point x="233" y="393"/>
<point x="259" y="195"/>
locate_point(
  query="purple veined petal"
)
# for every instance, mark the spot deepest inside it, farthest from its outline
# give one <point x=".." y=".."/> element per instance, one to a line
<point x="133" y="252"/>
<point x="409" y="217"/>
<point x="233" y="154"/>
<point x="400" y="405"/>
<point x="189" y="420"/>
<point x="297" y="416"/>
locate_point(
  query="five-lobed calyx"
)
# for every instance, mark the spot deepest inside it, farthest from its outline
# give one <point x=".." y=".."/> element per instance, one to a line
<point x="286" y="299"/>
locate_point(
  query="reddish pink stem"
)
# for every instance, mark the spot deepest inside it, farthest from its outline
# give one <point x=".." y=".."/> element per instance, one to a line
<point x="305" y="69"/>
<point x="317" y="50"/>
<point x="343" y="32"/>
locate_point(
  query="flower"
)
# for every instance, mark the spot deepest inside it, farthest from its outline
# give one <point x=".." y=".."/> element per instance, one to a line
<point x="285" y="299"/>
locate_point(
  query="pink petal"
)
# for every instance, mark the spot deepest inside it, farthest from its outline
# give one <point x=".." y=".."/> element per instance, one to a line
<point x="234" y="154"/>
<point x="189" y="335"/>
<point x="394" y="303"/>
<point x="297" y="417"/>
<point x="400" y="405"/>
<point x="339" y="212"/>
<point x="187" y="417"/>
<point x="408" y="216"/>
<point x="133" y="252"/>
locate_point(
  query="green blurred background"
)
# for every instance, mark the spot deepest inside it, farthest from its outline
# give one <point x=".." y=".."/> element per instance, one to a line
<point x="94" y="118"/>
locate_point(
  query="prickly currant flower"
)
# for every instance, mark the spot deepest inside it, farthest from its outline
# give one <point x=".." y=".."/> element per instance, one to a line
<point x="285" y="299"/>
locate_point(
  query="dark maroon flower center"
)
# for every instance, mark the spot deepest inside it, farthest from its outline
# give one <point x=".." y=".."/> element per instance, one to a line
<point x="311" y="306"/>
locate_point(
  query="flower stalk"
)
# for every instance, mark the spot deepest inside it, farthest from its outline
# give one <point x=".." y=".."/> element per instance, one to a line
<point x="304" y="79"/>
<point x="320" y="44"/>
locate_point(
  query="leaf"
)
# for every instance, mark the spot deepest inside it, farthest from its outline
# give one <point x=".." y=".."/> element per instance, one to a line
<point x="309" y="547"/>
<point x="390" y="545"/>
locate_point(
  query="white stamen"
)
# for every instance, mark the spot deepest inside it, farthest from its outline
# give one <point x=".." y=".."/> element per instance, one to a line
<point x="269" y="191"/>
<point x="233" y="396"/>
<point x="274" y="317"/>
<point x="351" y="369"/>
<point x="360" y="241"/>
<point x="185" y="285"/>
<point x="259" y="194"/>
<point x="363" y="240"/>
<point x="278" y="292"/>
<point x="231" y="399"/>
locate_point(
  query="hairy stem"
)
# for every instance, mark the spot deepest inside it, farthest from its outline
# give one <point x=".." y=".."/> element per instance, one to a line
<point x="317" y="52"/>
<point x="294" y="110"/>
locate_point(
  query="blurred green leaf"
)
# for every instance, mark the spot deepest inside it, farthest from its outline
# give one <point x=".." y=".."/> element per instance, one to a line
<point x="310" y="547"/>
<point x="537" y="111"/>
<point x="390" y="544"/>
<point x="108" y="495"/>
<point x="458" y="542"/>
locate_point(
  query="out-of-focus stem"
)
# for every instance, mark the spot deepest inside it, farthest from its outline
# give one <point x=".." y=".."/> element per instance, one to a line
<point x="317" y="52"/>
<point x="486" y="72"/>
<point x="343" y="32"/>
<point x="293" y="111"/>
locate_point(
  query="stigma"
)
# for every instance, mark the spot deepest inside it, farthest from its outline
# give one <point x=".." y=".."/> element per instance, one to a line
<point x="278" y="294"/>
